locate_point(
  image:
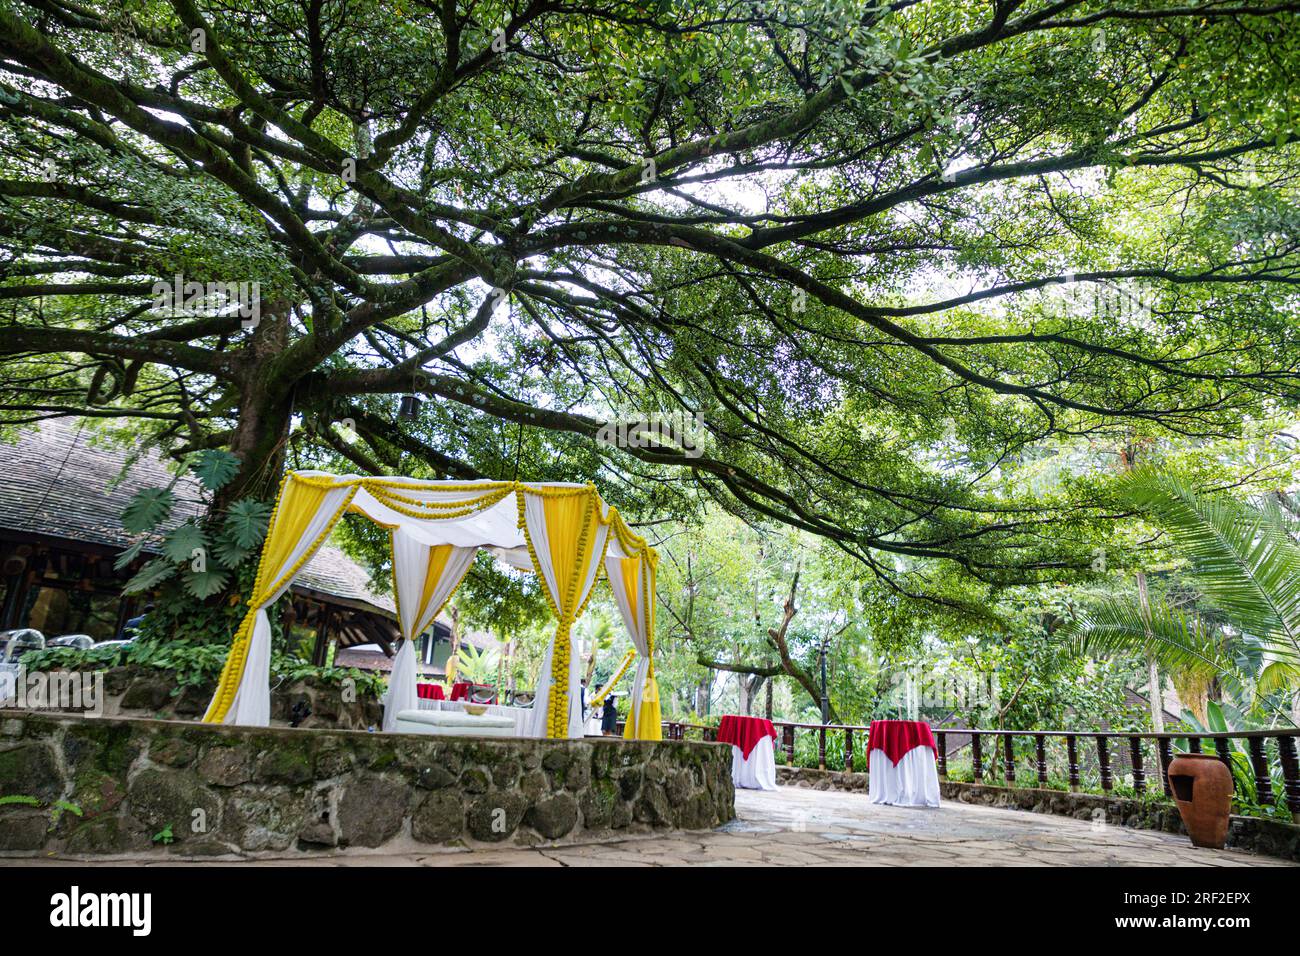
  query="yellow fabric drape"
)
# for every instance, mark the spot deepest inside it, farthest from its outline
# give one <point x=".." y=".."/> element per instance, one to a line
<point x="437" y="564"/>
<point x="296" y="506"/>
<point x="572" y="524"/>
<point x="424" y="579"/>
<point x="630" y="568"/>
<point x="438" y="556"/>
<point x="646" y="722"/>
<point x="648" y="725"/>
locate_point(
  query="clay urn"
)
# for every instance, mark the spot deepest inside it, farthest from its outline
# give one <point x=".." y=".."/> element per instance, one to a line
<point x="1202" y="786"/>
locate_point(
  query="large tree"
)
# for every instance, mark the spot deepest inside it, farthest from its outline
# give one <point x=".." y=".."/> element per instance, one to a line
<point x="832" y="228"/>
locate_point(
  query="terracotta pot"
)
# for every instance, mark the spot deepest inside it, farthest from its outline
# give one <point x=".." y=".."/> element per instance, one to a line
<point x="1202" y="787"/>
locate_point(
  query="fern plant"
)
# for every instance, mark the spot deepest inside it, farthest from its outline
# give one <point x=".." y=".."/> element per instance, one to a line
<point x="1245" y="563"/>
<point x="201" y="554"/>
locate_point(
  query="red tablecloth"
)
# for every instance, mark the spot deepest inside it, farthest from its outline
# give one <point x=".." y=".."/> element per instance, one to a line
<point x="460" y="690"/>
<point x="429" y="691"/>
<point x="897" y="737"/>
<point x="744" y="732"/>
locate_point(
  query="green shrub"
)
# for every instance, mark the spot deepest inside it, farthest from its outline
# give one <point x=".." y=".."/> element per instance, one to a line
<point x="194" y="664"/>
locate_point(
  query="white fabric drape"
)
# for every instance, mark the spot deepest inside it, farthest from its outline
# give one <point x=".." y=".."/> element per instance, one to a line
<point x="252" y="703"/>
<point x="402" y="693"/>
<point x="492" y="525"/>
<point x="759" y="771"/>
<point x="252" y="706"/>
<point x="535" y="518"/>
<point x="637" y="624"/>
<point x="422" y="583"/>
<point x="912" y="782"/>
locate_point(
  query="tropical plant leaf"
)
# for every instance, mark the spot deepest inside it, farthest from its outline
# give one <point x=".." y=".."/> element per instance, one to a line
<point x="150" y="576"/>
<point x="228" y="551"/>
<point x="475" y="665"/>
<point x="148" y="508"/>
<point x="204" y="584"/>
<point x="1241" y="556"/>
<point x="214" y="467"/>
<point x="246" y="522"/>
<point x="129" y="555"/>
<point x="1214" y="719"/>
<point x="1118" y="626"/>
<point x="181" y="542"/>
<point x="1277" y="675"/>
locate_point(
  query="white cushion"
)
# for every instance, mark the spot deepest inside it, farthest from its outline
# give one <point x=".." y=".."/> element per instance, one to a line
<point x="455" y="718"/>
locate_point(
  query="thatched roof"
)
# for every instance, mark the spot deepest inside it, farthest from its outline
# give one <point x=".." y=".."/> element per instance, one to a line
<point x="60" y="480"/>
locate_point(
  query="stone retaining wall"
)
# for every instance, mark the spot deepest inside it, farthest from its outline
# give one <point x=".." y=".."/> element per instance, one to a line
<point x="1258" y="835"/>
<point x="135" y="691"/>
<point x="116" y="785"/>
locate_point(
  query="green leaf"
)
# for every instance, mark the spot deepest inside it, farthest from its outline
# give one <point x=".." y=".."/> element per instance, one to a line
<point x="1278" y="675"/>
<point x="1241" y="557"/>
<point x="203" y="584"/>
<point x="148" y="508"/>
<point x="229" y="553"/>
<point x="1243" y="561"/>
<point x="129" y="555"/>
<point x="66" y="806"/>
<point x="1119" y="626"/>
<point x="150" y="576"/>
<point x="246" y="522"/>
<point x="180" y="543"/>
<point x="214" y="467"/>
<point x="1214" y="721"/>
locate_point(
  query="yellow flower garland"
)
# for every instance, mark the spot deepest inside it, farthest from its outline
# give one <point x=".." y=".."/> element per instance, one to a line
<point x="618" y="675"/>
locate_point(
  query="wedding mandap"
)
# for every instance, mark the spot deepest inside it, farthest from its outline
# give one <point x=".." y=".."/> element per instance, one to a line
<point x="563" y="532"/>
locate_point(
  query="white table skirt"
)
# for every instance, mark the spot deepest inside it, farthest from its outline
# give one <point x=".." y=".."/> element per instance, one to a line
<point x="522" y="716"/>
<point x="759" y="771"/>
<point x="912" y="782"/>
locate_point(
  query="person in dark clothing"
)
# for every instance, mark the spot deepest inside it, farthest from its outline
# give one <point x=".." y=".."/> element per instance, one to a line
<point x="133" y="624"/>
<point x="609" y="717"/>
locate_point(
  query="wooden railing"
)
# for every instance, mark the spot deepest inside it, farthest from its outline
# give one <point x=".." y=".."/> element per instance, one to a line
<point x="1130" y="753"/>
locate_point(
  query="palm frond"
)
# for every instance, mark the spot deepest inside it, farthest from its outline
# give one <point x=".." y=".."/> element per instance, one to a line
<point x="1241" y="557"/>
<point x="1118" y="626"/>
<point x="1278" y="675"/>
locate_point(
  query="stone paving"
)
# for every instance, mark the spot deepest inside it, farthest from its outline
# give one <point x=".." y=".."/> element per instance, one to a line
<point x="802" y="827"/>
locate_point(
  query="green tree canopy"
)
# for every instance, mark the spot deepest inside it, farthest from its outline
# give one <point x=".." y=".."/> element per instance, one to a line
<point x="882" y="249"/>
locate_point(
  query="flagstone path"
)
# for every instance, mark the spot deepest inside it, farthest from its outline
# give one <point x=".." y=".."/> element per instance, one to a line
<point x="801" y="827"/>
